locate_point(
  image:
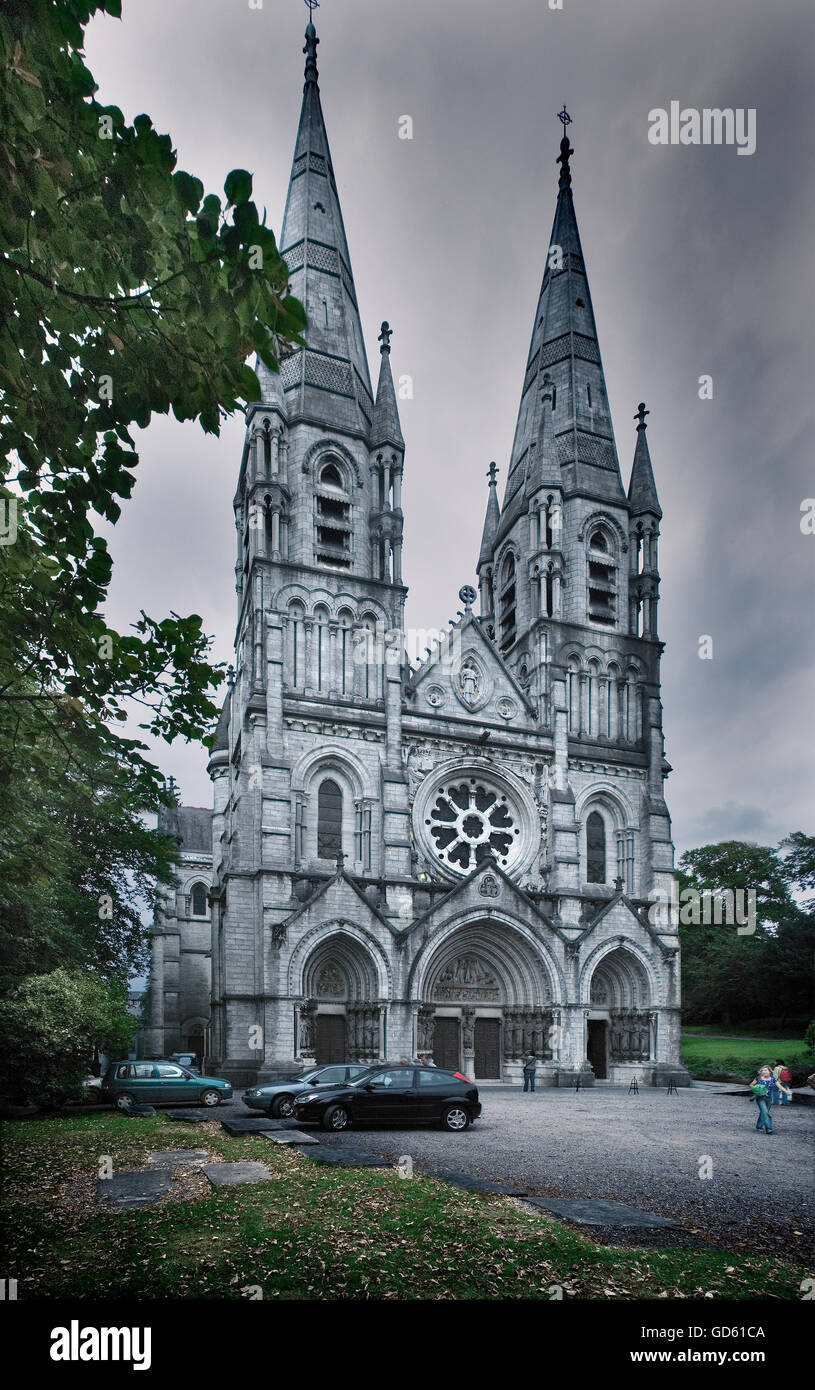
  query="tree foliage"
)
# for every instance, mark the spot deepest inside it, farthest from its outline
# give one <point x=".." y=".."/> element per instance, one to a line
<point x="729" y="975"/>
<point x="50" y="1027"/>
<point x="125" y="292"/>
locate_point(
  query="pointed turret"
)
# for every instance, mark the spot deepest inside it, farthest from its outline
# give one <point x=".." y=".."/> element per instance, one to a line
<point x="544" y="469"/>
<point x="491" y="520"/>
<point x="329" y="379"/>
<point x="564" y="343"/>
<point x="386" y="428"/>
<point x="642" y="491"/>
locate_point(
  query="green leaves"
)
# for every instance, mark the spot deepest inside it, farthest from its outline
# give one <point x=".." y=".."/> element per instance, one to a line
<point x="238" y="187"/>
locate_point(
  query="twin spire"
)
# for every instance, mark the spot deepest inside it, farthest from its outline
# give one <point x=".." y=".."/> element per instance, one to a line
<point x="564" y="435"/>
<point x="328" y="381"/>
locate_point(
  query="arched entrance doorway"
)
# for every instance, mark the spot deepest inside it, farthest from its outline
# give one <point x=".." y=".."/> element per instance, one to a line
<point x="620" y="1024"/>
<point x="486" y="1000"/>
<point x="340" y="1019"/>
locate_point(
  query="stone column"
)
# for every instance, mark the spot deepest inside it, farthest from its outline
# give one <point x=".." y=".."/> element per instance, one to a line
<point x="310" y="663"/>
<point x="397" y="488"/>
<point x="397" y="562"/>
<point x="275" y="533"/>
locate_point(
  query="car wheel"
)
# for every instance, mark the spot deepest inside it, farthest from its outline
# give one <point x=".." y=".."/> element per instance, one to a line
<point x="336" y="1118"/>
<point x="124" y="1100"/>
<point x="455" y="1117"/>
<point x="283" y="1107"/>
<point x="210" y="1097"/>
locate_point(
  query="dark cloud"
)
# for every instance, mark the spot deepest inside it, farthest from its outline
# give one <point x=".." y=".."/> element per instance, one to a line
<point x="699" y="262"/>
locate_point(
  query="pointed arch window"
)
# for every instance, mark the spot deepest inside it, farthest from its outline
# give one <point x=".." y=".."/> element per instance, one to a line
<point x="595" y="848"/>
<point x="329" y="819"/>
<point x="507" y="602"/>
<point x="198" y="900"/>
<point x="333" y="518"/>
<point x="601" y="600"/>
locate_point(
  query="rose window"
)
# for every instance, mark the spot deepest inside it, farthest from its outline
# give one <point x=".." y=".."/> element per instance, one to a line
<point x="469" y="821"/>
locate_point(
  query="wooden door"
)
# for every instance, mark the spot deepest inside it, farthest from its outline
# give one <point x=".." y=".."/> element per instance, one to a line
<point x="596" y="1047"/>
<point x="487" y="1056"/>
<point x="330" y="1038"/>
<point x="446" y="1047"/>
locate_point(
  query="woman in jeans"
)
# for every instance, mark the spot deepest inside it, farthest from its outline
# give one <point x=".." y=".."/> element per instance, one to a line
<point x="764" y="1078"/>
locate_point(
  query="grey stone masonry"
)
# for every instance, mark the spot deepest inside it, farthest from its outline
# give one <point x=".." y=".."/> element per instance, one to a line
<point x="454" y="855"/>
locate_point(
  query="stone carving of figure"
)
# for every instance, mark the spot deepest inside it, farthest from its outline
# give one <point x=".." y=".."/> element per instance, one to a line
<point x="468" y="1029"/>
<point x="306" y="1036"/>
<point x="330" y="981"/>
<point x="468" y="682"/>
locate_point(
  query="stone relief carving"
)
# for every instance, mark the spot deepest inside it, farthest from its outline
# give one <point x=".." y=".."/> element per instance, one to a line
<point x="629" y="1035"/>
<point x="330" y="982"/>
<point x="362" y="1031"/>
<point x="527" y="1030"/>
<point x="466" y="978"/>
<point x="489" y="887"/>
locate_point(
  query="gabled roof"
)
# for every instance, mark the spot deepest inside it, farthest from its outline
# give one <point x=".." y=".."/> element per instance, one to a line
<point x="441" y="668"/>
<point x="463" y="888"/>
<point x="325" y="891"/>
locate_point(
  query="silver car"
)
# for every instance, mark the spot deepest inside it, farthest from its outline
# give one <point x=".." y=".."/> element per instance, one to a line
<point x="278" y="1098"/>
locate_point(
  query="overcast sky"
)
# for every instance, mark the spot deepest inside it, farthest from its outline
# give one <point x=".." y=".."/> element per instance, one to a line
<point x="699" y="261"/>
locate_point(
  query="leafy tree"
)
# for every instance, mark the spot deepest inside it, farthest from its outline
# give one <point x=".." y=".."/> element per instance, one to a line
<point x="728" y="976"/>
<point x="50" y="1027"/>
<point x="80" y="866"/>
<point x="124" y="292"/>
<point x="798" y="865"/>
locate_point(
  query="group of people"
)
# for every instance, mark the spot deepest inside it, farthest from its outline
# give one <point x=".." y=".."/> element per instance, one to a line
<point x="422" y="1059"/>
<point x="771" y="1087"/>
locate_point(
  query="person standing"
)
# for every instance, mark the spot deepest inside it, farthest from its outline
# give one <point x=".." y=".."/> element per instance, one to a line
<point x="782" y="1077"/>
<point x="762" y="1087"/>
<point x="530" y="1064"/>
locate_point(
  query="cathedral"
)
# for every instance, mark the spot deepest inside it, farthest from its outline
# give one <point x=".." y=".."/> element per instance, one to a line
<point x="457" y="854"/>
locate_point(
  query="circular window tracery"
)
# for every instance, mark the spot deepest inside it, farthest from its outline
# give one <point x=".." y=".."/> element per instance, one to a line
<point x="472" y="815"/>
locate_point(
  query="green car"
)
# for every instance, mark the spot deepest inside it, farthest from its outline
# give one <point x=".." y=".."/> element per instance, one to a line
<point x="158" y="1083"/>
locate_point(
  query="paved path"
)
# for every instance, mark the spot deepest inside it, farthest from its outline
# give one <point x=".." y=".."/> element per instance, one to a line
<point x="643" y="1150"/>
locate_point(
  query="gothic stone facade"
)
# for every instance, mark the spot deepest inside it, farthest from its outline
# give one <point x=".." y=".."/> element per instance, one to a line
<point x="458" y="855"/>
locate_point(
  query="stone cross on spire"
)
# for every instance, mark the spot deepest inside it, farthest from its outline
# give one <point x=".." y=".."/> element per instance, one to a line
<point x="565" y="150"/>
<point x="385" y="336"/>
<point x="310" y="49"/>
<point x="640" y="415"/>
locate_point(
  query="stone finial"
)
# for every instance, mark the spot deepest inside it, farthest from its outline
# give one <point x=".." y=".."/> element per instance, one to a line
<point x="468" y="596"/>
<point x="640" y="416"/>
<point x="385" y="336"/>
<point x="492" y="474"/>
<point x="566" y="151"/>
<point x="310" y="49"/>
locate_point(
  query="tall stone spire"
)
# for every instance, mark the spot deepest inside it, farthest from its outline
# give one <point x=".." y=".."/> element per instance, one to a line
<point x="564" y="344"/>
<point x="642" y="490"/>
<point x="328" y="381"/>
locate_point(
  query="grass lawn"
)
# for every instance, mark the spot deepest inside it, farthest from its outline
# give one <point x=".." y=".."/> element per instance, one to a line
<point x="705" y="1054"/>
<point x="312" y="1232"/>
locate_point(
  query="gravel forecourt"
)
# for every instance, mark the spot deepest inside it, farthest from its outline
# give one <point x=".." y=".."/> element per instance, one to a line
<point x="645" y="1150"/>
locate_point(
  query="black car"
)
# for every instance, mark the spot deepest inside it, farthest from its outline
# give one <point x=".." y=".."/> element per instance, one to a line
<point x="393" y="1095"/>
<point x="277" y="1098"/>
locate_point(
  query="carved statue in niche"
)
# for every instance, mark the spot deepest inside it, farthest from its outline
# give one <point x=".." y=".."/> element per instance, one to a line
<point x="469" y="682"/>
<point x="306" y="1033"/>
<point x="629" y="1035"/>
<point x="330" y="982"/>
<point x="425" y="1028"/>
<point x="468" y="1029"/>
